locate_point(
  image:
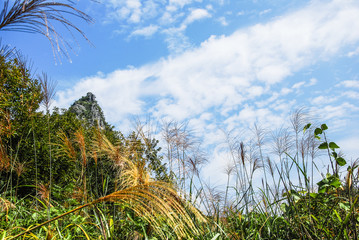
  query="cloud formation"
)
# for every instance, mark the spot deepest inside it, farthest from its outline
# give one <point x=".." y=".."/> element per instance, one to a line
<point x="146" y="31"/>
<point x="227" y="70"/>
<point x="196" y="14"/>
<point x="233" y="80"/>
<point x="171" y="18"/>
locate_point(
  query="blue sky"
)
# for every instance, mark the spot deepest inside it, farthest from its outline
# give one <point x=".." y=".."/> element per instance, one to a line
<point x="221" y="64"/>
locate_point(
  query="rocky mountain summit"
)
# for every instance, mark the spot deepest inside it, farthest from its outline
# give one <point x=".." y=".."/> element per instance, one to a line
<point x="87" y="108"/>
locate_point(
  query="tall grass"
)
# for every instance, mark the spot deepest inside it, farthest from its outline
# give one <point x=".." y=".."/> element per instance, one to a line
<point x="156" y="202"/>
<point x="293" y="197"/>
<point x="275" y="189"/>
<point x="48" y="90"/>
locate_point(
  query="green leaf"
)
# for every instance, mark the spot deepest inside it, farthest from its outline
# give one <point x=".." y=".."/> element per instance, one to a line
<point x="296" y="196"/>
<point x="216" y="236"/>
<point x="316" y="219"/>
<point x="318" y="131"/>
<point x="345" y="206"/>
<point x="341" y="161"/>
<point x="317" y="137"/>
<point x="339" y="218"/>
<point x="324" y="145"/>
<point x="322" y="190"/>
<point x="313" y="195"/>
<point x="3" y="235"/>
<point x="324" y="127"/>
<point x="306" y="127"/>
<point x="284" y="207"/>
<point x="322" y="185"/>
<point x="335" y="183"/>
<point x="333" y="145"/>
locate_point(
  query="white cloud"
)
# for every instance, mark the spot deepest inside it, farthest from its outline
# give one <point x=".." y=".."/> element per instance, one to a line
<point x="265" y="12"/>
<point x="298" y="85"/>
<point x="312" y="82"/>
<point x="223" y="21"/>
<point x="180" y="3"/>
<point x="350" y="148"/>
<point x="349" y="84"/>
<point x="129" y="10"/>
<point x="332" y="111"/>
<point x="119" y="92"/>
<point x="215" y="170"/>
<point x="283" y="106"/>
<point x="353" y="53"/>
<point x="323" y="100"/>
<point x="176" y="40"/>
<point x="285" y="91"/>
<point x="351" y="94"/>
<point x="195" y="15"/>
<point x="255" y="91"/>
<point x="135" y="16"/>
<point x="146" y="31"/>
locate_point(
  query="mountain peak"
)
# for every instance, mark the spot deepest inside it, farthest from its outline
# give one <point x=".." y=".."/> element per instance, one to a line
<point x="91" y="97"/>
<point x="87" y="108"/>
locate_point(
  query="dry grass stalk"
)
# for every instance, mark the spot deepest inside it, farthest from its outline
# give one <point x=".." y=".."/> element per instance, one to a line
<point x="48" y="89"/>
<point x="96" y="144"/>
<point x="134" y="174"/>
<point x="4" y="158"/>
<point x="5" y="205"/>
<point x="106" y="148"/>
<point x="39" y="16"/>
<point x="78" y="194"/>
<point x="19" y="168"/>
<point x="66" y="148"/>
<point x="44" y="193"/>
<point x="157" y="202"/>
<point x="80" y="140"/>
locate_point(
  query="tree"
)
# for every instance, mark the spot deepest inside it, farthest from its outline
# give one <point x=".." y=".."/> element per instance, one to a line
<point x="20" y="96"/>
